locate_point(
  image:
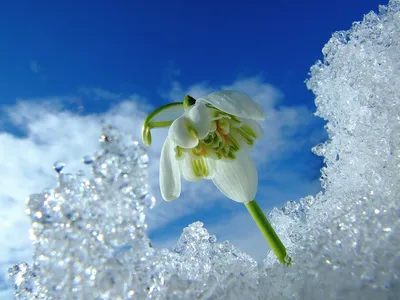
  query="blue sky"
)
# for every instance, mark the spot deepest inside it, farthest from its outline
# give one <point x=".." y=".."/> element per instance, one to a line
<point x="127" y="46"/>
<point x="68" y="66"/>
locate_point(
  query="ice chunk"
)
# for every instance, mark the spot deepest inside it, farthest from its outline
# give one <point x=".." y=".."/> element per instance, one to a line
<point x="346" y="237"/>
<point x="78" y="227"/>
<point x="90" y="242"/>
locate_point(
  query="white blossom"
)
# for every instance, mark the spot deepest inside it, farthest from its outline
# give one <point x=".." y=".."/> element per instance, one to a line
<point x="210" y="140"/>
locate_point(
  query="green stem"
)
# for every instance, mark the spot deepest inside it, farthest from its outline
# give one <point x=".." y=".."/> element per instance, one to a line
<point x="268" y="232"/>
<point x="147" y="125"/>
<point x="160" y="109"/>
<point x="160" y="124"/>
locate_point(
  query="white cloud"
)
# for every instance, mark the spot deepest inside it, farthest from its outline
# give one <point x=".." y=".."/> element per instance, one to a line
<point x="53" y="133"/>
<point x="34" y="66"/>
<point x="99" y="94"/>
<point x="177" y="92"/>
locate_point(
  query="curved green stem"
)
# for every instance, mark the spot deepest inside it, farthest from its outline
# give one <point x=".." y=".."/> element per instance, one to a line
<point x="268" y="232"/>
<point x="147" y="125"/>
<point x="160" y="109"/>
<point x="160" y="124"/>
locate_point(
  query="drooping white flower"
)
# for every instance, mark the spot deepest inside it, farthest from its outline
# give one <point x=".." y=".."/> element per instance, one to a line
<point x="210" y="140"/>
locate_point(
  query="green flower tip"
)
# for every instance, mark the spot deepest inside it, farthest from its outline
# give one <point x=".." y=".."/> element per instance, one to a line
<point x="146" y="135"/>
<point x="188" y="101"/>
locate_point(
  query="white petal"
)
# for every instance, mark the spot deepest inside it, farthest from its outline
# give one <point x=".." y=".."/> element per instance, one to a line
<point x="200" y="116"/>
<point x="170" y="181"/>
<point x="235" y="103"/>
<point x="186" y="168"/>
<point x="211" y="166"/>
<point x="238" y="179"/>
<point x="213" y="126"/>
<point x="182" y="133"/>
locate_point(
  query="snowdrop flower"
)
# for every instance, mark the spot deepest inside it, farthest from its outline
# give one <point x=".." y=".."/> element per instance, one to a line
<point x="210" y="140"/>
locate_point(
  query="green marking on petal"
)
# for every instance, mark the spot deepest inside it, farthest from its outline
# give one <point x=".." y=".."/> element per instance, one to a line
<point x="210" y="106"/>
<point x="195" y="167"/>
<point x="199" y="167"/>
<point x="249" y="131"/>
<point x="178" y="152"/>
<point x="219" y="136"/>
<point x="196" y="150"/>
<point x="231" y="155"/>
<point x="193" y="131"/>
<point x="221" y="146"/>
<point x="246" y="137"/>
<point x="218" y="115"/>
<point x="233" y="142"/>
<point x="235" y="119"/>
<point x="220" y="153"/>
<point x="203" y="167"/>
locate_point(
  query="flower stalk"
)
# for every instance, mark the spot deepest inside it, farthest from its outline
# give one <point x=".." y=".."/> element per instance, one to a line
<point x="268" y="232"/>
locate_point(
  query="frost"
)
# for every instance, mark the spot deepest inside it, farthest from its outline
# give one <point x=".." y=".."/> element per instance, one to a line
<point x="90" y="234"/>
